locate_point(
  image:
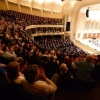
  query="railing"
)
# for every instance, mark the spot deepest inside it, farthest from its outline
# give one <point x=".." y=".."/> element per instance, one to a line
<point x="46" y="33"/>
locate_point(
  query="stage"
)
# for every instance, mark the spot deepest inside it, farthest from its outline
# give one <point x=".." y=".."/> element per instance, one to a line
<point x="90" y="45"/>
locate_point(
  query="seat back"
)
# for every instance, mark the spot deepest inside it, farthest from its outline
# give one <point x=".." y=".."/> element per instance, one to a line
<point x="84" y="84"/>
<point x="5" y="60"/>
<point x="22" y="94"/>
<point x="12" y="91"/>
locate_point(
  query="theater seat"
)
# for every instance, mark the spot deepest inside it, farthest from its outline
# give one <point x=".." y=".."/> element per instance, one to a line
<point x="5" y="60"/>
<point x="12" y="91"/>
<point x="22" y="94"/>
<point x="83" y="84"/>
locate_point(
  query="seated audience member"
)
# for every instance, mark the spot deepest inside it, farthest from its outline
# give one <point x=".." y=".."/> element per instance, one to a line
<point x="96" y="72"/>
<point x="85" y="68"/>
<point x="12" y="51"/>
<point x="95" y="61"/>
<point x="67" y="61"/>
<point x="46" y="53"/>
<point x="65" y="75"/>
<point x="7" y="54"/>
<point x="53" y="53"/>
<point x="52" y="65"/>
<point x="74" y="69"/>
<point x="35" y="58"/>
<point x="64" y="71"/>
<point x="10" y="55"/>
<point x="13" y="73"/>
<point x="2" y="71"/>
<point x="36" y="81"/>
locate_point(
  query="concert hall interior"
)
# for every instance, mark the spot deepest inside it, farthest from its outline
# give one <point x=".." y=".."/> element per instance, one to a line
<point x="49" y="49"/>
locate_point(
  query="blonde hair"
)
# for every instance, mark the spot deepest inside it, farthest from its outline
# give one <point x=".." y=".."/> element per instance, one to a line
<point x="63" y="68"/>
<point x="52" y="52"/>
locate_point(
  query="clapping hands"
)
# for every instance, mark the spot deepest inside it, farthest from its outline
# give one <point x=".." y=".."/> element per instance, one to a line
<point x="41" y="73"/>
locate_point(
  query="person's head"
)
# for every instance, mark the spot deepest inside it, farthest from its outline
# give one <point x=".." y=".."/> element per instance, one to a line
<point x="52" y="52"/>
<point x="12" y="48"/>
<point x="52" y="58"/>
<point x="63" y="68"/>
<point x="31" y="73"/>
<point x="89" y="58"/>
<point x="66" y="58"/>
<point x="95" y="60"/>
<point x="13" y="70"/>
<point x="46" y="52"/>
<point x="5" y="48"/>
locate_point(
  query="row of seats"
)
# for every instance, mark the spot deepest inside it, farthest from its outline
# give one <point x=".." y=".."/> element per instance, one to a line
<point x="11" y="91"/>
<point x="33" y="18"/>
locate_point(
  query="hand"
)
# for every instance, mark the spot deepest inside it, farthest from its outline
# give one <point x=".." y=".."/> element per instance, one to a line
<point x="42" y="74"/>
<point x="41" y="70"/>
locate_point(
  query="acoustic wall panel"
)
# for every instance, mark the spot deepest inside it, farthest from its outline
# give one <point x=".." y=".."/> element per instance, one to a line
<point x="25" y="9"/>
<point x="47" y="14"/>
<point x="57" y="15"/>
<point x="36" y="12"/>
<point x="13" y="6"/>
<point x="3" y="5"/>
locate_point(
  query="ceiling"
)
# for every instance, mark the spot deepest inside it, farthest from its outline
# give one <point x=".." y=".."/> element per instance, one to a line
<point x="54" y="5"/>
<point x="95" y="7"/>
<point x="47" y="5"/>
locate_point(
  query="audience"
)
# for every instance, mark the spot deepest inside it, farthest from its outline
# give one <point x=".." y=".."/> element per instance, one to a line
<point x="13" y="73"/>
<point x="2" y="71"/>
<point x="85" y="68"/>
<point x="63" y="69"/>
<point x="36" y="81"/>
<point x="32" y="60"/>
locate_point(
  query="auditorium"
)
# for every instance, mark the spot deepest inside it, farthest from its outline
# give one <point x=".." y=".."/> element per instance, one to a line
<point x="49" y="49"/>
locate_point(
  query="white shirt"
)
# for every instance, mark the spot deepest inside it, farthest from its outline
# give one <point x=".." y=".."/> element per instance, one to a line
<point x="40" y="87"/>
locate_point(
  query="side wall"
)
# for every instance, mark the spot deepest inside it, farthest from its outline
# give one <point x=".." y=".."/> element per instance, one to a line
<point x="15" y="7"/>
<point x="75" y="13"/>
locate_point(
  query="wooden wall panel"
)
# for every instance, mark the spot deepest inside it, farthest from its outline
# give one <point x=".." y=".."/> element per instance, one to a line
<point x="3" y="5"/>
<point x="47" y="14"/>
<point x="25" y="9"/>
<point x="85" y="35"/>
<point x="57" y="15"/>
<point x="93" y="35"/>
<point x="13" y="6"/>
<point x="98" y="35"/>
<point x="36" y="12"/>
<point x="89" y="35"/>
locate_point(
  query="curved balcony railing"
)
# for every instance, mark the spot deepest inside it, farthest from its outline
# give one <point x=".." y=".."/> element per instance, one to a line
<point x="31" y="36"/>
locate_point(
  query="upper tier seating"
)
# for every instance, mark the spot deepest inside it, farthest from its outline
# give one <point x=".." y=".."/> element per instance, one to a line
<point x="31" y="19"/>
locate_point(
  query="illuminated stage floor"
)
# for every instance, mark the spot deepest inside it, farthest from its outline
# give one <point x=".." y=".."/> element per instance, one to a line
<point x="88" y="46"/>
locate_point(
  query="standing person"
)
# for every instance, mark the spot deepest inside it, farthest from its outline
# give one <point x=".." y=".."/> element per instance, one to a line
<point x="36" y="81"/>
<point x="85" y="68"/>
